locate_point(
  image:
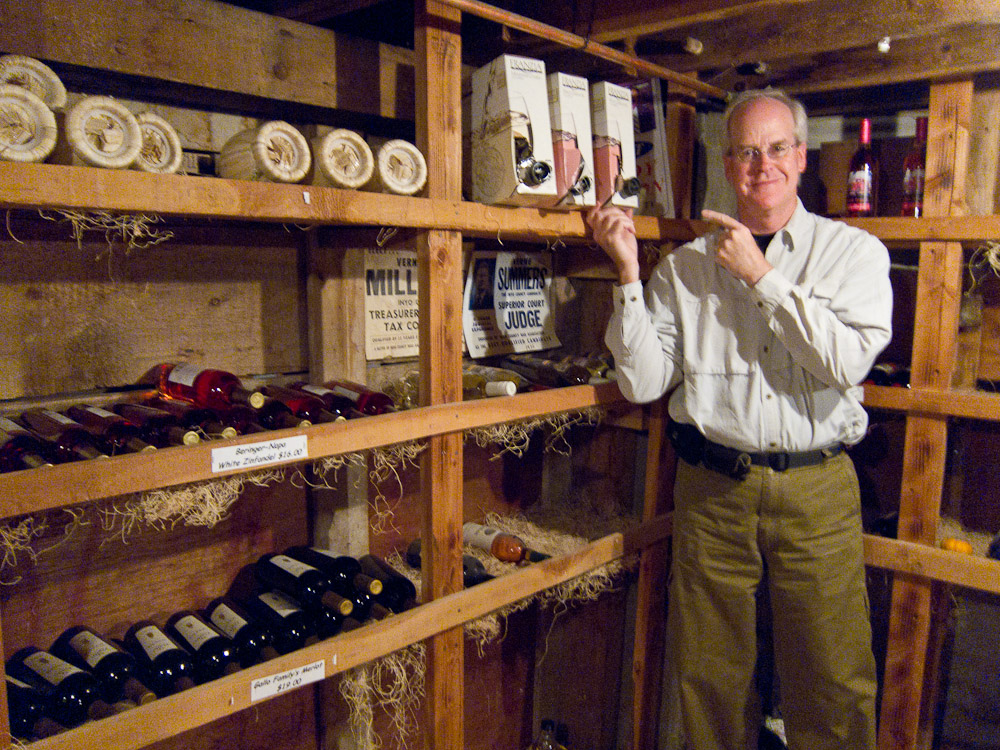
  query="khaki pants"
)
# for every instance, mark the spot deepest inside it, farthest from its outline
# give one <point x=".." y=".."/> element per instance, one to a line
<point x="804" y="527"/>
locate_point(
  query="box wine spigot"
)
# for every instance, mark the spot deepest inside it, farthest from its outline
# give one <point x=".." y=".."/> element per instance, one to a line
<point x="614" y="145"/>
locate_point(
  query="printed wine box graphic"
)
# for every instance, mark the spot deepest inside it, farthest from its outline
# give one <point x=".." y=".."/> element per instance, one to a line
<point x="614" y="145"/>
<point x="392" y="316"/>
<point x="572" y="147"/>
<point x="511" y="140"/>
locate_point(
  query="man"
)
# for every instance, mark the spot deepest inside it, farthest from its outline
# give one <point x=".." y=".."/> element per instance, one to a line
<point x="763" y="328"/>
<point x="482" y="285"/>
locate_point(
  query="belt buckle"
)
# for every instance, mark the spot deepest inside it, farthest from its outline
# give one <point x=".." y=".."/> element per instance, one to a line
<point x="778" y="461"/>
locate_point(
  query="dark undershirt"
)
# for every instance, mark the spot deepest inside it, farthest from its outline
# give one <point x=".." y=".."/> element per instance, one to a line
<point x="763" y="240"/>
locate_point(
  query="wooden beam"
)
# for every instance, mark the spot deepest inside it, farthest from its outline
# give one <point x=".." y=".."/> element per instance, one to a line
<point x="202" y="43"/>
<point x="438" y="59"/>
<point x="939" y="287"/>
<point x="318" y="11"/>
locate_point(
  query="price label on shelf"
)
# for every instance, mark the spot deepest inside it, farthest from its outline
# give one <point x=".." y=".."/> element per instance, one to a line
<point x="281" y="682"/>
<point x="230" y="457"/>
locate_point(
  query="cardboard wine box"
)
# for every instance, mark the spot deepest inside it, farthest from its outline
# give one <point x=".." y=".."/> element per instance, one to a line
<point x="614" y="145"/>
<point x="511" y="141"/>
<point x="572" y="146"/>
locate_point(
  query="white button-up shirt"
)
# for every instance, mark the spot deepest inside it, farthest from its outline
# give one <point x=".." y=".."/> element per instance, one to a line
<point x="775" y="367"/>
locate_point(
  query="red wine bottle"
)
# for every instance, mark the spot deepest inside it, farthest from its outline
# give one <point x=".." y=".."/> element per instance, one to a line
<point x="366" y="400"/>
<point x="343" y="571"/>
<point x="198" y="418"/>
<point x="156" y="426"/>
<point x="862" y="177"/>
<point x="19" y="448"/>
<point x="72" y="695"/>
<point x="241" y="418"/>
<point x="214" y="654"/>
<point x="114" y="668"/>
<point x="116" y="433"/>
<point x="252" y="639"/>
<point x="288" y="622"/>
<point x="167" y="667"/>
<point x="276" y="415"/>
<point x="333" y="401"/>
<point x="398" y="591"/>
<point x="27" y="708"/>
<point x="71" y="441"/>
<point x="215" y="389"/>
<point x="303" y="405"/>
<point x="913" y="172"/>
<point x="306" y="584"/>
<point x="329" y="616"/>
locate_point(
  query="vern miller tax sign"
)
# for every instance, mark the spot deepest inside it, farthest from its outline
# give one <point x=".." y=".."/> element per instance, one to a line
<point x="507" y="304"/>
<point x="392" y="317"/>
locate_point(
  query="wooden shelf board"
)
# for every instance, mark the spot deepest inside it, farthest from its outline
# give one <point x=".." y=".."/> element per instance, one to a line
<point x="971" y="571"/>
<point x="54" y="186"/>
<point x="937" y="229"/>
<point x="200" y="705"/>
<point x="85" y="481"/>
<point x="955" y="402"/>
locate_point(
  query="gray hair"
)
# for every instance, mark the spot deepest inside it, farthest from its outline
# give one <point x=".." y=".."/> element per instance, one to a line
<point x="801" y="126"/>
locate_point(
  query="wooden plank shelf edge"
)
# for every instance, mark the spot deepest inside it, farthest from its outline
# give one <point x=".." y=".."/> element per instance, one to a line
<point x="166" y="717"/>
<point x="953" y="402"/>
<point x="64" y="485"/>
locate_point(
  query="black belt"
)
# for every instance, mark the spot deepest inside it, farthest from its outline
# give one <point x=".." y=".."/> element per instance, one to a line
<point x="737" y="463"/>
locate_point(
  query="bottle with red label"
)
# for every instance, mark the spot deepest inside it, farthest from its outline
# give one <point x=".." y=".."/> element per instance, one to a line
<point x="862" y="176"/>
<point x="913" y="172"/>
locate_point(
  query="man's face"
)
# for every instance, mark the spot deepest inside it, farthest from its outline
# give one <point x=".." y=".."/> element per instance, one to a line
<point x="764" y="185"/>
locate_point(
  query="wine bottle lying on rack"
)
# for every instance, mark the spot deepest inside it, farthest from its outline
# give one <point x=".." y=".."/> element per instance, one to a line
<point x="252" y="639"/>
<point x="27" y="709"/>
<point x="112" y="431"/>
<point x="215" y="389"/>
<point x="366" y="400"/>
<point x="276" y="415"/>
<point x="201" y="419"/>
<point x="114" y="668"/>
<point x="398" y="592"/>
<point x="213" y="654"/>
<point x="157" y="427"/>
<point x="546" y="371"/>
<point x="343" y="570"/>
<point x="167" y="668"/>
<point x="302" y="405"/>
<point x="70" y="441"/>
<point x="308" y="585"/>
<point x="241" y="418"/>
<point x="288" y="622"/>
<point x="20" y="449"/>
<point x="72" y="696"/>
<point x="503" y="546"/>
<point x="473" y="570"/>
<point x="333" y="401"/>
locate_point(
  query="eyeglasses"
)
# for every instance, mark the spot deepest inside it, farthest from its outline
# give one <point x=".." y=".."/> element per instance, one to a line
<point x="775" y="152"/>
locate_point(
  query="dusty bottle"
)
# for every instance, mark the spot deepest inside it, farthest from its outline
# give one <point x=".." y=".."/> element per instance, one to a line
<point x="70" y="440"/>
<point x="913" y="172"/>
<point x="288" y="622"/>
<point x="503" y="546"/>
<point x="19" y="449"/>
<point x="201" y="419"/>
<point x="72" y="695"/>
<point x="215" y="389"/>
<point x="213" y="654"/>
<point x="117" y="433"/>
<point x="114" y="668"/>
<point x="862" y="177"/>
<point x="166" y="666"/>
<point x="366" y="400"/>
<point x="27" y="707"/>
<point x="252" y="639"/>
<point x="302" y="405"/>
<point x="156" y="426"/>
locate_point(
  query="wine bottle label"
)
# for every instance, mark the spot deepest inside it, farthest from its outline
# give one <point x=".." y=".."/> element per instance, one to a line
<point x="348" y="392"/>
<point x="226" y="620"/>
<point x="280" y="603"/>
<point x="50" y="668"/>
<point x="184" y="374"/>
<point x="476" y="535"/>
<point x="153" y="641"/>
<point x="57" y="417"/>
<point x="315" y="390"/>
<point x="90" y="647"/>
<point x="99" y="411"/>
<point x="289" y="565"/>
<point x="194" y="631"/>
<point x="322" y="551"/>
<point x="859" y="191"/>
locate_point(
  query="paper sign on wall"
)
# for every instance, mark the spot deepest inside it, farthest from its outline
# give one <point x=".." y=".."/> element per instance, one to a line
<point x="507" y="304"/>
<point x="392" y="316"/>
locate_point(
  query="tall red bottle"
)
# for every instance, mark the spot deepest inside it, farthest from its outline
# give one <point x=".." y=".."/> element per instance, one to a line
<point x="913" y="172"/>
<point x="862" y="176"/>
<point x="215" y="389"/>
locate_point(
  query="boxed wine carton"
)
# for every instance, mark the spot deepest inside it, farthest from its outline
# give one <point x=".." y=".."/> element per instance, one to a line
<point x="572" y="147"/>
<point x="511" y="143"/>
<point x="651" y="151"/>
<point x="614" y="145"/>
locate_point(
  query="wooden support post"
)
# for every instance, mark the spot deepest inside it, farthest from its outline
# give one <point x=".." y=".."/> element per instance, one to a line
<point x="680" y="119"/>
<point x="438" y="59"/>
<point x="939" y="288"/>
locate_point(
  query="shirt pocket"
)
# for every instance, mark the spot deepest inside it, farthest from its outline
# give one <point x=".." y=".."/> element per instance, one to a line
<point x="723" y="336"/>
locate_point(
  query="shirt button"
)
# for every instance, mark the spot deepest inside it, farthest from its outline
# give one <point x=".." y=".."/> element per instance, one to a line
<point x="766" y="349"/>
<point x="760" y="304"/>
<point x="768" y="397"/>
<point x="633" y="298"/>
